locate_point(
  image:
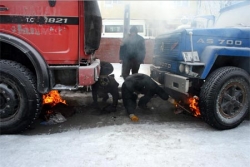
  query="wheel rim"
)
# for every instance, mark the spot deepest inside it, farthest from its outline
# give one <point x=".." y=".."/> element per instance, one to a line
<point x="231" y="100"/>
<point x="9" y="99"/>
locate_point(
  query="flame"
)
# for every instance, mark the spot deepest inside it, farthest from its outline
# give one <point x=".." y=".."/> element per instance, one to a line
<point x="52" y="98"/>
<point x="193" y="105"/>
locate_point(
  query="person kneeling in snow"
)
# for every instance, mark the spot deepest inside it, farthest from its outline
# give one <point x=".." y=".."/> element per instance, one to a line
<point x="143" y="84"/>
<point x="106" y="84"/>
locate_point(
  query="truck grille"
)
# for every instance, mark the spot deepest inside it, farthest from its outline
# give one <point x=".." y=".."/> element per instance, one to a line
<point x="165" y="64"/>
<point x="167" y="45"/>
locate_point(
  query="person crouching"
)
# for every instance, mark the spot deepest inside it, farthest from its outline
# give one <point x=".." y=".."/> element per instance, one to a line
<point x="106" y="84"/>
<point x="139" y="84"/>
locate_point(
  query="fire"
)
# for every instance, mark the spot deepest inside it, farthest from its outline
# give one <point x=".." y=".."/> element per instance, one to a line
<point x="52" y="98"/>
<point x="193" y="104"/>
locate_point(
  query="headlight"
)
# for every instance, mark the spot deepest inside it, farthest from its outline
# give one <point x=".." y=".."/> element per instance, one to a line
<point x="187" y="69"/>
<point x="181" y="67"/>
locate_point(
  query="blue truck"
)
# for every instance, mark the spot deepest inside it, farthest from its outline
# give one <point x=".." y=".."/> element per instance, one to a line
<point x="211" y="64"/>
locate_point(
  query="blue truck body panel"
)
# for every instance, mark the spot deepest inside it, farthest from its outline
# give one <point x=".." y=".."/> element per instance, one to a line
<point x="210" y="44"/>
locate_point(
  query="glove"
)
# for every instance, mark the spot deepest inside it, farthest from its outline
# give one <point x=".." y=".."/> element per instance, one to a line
<point x="172" y="101"/>
<point x="133" y="118"/>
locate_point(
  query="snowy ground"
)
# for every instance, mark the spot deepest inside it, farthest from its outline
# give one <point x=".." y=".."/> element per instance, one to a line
<point x="159" y="139"/>
<point x="130" y="145"/>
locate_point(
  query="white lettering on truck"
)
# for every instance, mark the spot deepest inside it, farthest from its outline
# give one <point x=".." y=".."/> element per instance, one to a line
<point x="220" y="41"/>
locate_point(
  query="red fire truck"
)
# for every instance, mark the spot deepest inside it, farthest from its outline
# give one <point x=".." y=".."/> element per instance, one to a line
<point x="45" y="45"/>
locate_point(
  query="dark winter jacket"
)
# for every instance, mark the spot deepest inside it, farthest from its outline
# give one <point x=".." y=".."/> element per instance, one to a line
<point x="140" y="83"/>
<point x="106" y="84"/>
<point x="133" y="47"/>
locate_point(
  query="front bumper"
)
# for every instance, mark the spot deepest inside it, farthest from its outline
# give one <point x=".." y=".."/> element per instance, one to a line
<point x="88" y="75"/>
<point x="170" y="81"/>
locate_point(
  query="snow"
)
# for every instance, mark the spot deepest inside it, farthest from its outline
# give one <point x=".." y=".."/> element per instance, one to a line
<point x="148" y="145"/>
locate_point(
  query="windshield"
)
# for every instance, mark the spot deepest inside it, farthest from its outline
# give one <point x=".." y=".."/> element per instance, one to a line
<point x="93" y="26"/>
<point x="235" y="17"/>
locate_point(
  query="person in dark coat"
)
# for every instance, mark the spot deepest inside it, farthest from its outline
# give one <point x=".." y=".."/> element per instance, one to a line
<point x="132" y="52"/>
<point x="106" y="84"/>
<point x="139" y="84"/>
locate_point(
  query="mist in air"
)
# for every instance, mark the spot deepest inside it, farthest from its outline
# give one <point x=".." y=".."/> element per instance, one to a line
<point x="160" y="16"/>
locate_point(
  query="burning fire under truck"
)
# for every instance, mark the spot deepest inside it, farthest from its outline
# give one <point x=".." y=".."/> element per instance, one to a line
<point x="45" y="45"/>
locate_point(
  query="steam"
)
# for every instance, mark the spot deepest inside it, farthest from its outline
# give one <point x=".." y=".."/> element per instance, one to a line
<point x="160" y="16"/>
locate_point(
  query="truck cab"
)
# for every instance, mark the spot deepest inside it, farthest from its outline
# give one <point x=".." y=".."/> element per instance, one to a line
<point x="45" y="45"/>
<point x="211" y="64"/>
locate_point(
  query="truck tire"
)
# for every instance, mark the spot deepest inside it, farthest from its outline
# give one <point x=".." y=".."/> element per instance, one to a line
<point x="224" y="98"/>
<point x="20" y="103"/>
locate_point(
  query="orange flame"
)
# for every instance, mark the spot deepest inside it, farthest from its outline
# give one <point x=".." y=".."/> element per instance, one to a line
<point x="52" y="98"/>
<point x="193" y="104"/>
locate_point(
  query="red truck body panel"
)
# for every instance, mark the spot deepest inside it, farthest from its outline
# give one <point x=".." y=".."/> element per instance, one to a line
<point x="53" y="31"/>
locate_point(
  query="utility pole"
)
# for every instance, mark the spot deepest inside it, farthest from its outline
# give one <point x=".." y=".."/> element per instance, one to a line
<point x="126" y="22"/>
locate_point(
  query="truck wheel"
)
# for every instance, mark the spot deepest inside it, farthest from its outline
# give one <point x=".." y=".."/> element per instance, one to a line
<point x="20" y="103"/>
<point x="224" y="98"/>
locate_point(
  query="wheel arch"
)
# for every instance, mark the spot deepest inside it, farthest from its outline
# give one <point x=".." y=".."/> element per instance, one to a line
<point x="220" y="56"/>
<point x="234" y="61"/>
<point x="34" y="60"/>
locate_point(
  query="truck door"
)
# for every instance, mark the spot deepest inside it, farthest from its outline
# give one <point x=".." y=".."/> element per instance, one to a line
<point x="51" y="26"/>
